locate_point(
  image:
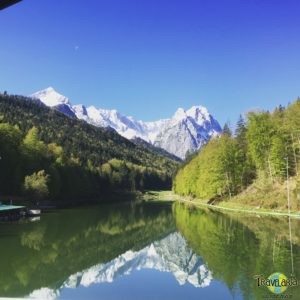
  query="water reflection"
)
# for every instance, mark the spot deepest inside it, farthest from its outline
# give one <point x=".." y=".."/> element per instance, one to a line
<point x="46" y="253"/>
<point x="206" y="253"/>
<point x="170" y="254"/>
<point x="237" y="247"/>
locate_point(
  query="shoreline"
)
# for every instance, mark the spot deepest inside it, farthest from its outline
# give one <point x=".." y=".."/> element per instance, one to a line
<point x="171" y="196"/>
<point x="115" y="197"/>
<point x="241" y="210"/>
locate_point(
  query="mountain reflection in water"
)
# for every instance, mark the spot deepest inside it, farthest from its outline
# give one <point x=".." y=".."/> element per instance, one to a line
<point x="145" y="251"/>
<point x="171" y="254"/>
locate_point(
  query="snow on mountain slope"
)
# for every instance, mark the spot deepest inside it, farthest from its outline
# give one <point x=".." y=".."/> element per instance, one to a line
<point x="187" y="131"/>
<point x="50" y="97"/>
<point x="53" y="99"/>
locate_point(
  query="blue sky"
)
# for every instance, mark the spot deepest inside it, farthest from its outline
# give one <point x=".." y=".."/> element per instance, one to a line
<point x="147" y="58"/>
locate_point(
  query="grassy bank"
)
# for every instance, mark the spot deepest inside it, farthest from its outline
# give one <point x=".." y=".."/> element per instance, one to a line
<point x="166" y="196"/>
<point x="260" y="198"/>
<point x="263" y="196"/>
<point x="234" y="207"/>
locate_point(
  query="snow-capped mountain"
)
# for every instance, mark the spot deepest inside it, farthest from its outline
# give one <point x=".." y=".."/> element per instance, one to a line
<point x="50" y="97"/>
<point x="186" y="131"/>
<point x="170" y="254"/>
<point x="53" y="99"/>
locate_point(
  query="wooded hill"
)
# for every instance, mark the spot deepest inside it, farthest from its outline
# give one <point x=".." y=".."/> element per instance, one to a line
<point x="265" y="147"/>
<point x="70" y="158"/>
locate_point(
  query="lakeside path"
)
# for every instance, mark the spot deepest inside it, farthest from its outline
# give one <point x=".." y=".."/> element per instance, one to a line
<point x="227" y="205"/>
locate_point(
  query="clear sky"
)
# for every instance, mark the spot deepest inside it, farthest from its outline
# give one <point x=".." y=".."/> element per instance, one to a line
<point x="146" y="58"/>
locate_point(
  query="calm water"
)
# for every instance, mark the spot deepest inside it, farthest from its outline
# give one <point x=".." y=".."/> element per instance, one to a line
<point x="146" y="251"/>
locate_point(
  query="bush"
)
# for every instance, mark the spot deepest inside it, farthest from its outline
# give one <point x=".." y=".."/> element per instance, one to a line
<point x="36" y="185"/>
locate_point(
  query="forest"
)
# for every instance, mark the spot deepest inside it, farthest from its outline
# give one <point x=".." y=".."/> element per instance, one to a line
<point x="47" y="155"/>
<point x="264" y="147"/>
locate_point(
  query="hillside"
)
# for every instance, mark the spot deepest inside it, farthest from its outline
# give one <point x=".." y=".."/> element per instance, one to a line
<point x="94" y="154"/>
<point x="77" y="137"/>
<point x="161" y="151"/>
<point x="249" y="167"/>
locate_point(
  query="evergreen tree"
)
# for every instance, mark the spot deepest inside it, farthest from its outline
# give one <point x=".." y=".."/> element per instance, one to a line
<point x="241" y="130"/>
<point x="226" y="130"/>
<point x="247" y="170"/>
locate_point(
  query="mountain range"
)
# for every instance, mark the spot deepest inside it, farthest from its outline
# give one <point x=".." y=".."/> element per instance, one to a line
<point x="186" y="131"/>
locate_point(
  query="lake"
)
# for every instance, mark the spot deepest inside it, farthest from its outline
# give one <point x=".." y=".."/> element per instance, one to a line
<point x="146" y="251"/>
